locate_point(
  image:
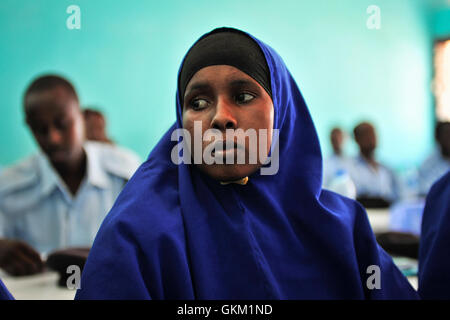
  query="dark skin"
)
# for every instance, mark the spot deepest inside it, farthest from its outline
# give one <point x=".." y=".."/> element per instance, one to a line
<point x="223" y="97"/>
<point x="55" y="119"/>
<point x="366" y="139"/>
<point x="443" y="138"/>
<point x="96" y="128"/>
<point x="19" y="259"/>
<point x="337" y="139"/>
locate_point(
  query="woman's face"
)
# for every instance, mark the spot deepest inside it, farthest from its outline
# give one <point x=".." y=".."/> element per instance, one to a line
<point x="226" y="99"/>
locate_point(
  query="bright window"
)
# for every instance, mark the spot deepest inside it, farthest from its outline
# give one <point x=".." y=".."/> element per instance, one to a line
<point x="442" y="79"/>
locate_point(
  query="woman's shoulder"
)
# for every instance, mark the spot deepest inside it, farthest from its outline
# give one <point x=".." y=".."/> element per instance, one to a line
<point x="340" y="204"/>
<point x="149" y="203"/>
<point x="348" y="211"/>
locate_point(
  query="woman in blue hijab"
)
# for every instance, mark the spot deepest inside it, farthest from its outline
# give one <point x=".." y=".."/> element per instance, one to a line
<point x="434" y="258"/>
<point x="237" y="231"/>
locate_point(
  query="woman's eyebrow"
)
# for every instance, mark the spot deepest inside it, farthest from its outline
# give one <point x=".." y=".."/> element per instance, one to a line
<point x="243" y="82"/>
<point x="197" y="86"/>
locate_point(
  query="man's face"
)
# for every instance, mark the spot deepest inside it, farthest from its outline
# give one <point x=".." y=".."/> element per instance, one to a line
<point x="56" y="122"/>
<point x="337" y="139"/>
<point x="95" y="128"/>
<point x="366" y="139"/>
<point x="223" y="97"/>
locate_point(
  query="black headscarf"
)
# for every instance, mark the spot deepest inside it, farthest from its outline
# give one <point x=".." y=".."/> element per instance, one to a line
<point x="226" y="46"/>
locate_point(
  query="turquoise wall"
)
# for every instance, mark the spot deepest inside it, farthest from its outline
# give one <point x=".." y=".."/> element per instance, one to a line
<point x="125" y="58"/>
<point x="440" y="21"/>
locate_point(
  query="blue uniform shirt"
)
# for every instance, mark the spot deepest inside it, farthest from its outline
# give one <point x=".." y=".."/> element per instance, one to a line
<point x="36" y="206"/>
<point x="331" y="166"/>
<point x="434" y="167"/>
<point x="373" y="183"/>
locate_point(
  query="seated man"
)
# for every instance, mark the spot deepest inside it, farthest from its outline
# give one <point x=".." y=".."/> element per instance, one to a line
<point x="95" y="126"/>
<point x="376" y="185"/>
<point x="337" y="161"/>
<point x="58" y="197"/>
<point x="335" y="167"/>
<point x="438" y="163"/>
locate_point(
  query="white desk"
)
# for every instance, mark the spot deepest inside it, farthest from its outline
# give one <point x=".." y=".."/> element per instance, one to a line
<point x="414" y="281"/>
<point x="379" y="219"/>
<point x="43" y="286"/>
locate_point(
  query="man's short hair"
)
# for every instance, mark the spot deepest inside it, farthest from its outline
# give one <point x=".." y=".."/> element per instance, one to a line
<point x="49" y="82"/>
<point x="335" y="130"/>
<point x="360" y="127"/>
<point x="92" y="112"/>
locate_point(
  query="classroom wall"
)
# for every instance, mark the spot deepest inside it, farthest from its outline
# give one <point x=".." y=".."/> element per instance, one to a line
<point x="440" y="21"/>
<point x="126" y="55"/>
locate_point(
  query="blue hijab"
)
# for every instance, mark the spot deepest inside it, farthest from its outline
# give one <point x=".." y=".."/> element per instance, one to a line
<point x="175" y="233"/>
<point x="434" y="256"/>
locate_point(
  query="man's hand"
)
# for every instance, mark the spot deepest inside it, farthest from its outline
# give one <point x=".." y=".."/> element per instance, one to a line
<point x="18" y="258"/>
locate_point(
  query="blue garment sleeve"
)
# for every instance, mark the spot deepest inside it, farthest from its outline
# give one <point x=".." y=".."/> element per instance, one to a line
<point x="434" y="258"/>
<point x="113" y="270"/>
<point x="137" y="255"/>
<point x="4" y="293"/>
<point x="372" y="260"/>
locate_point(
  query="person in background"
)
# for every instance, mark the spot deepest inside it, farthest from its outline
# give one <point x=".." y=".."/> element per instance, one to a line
<point x="59" y="196"/>
<point x="335" y="171"/>
<point x="95" y="126"/>
<point x="434" y="260"/>
<point x="438" y="163"/>
<point x="376" y="184"/>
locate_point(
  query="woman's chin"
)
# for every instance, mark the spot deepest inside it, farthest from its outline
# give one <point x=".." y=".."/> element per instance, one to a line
<point x="228" y="172"/>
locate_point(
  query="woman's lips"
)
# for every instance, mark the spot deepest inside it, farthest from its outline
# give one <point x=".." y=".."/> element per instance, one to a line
<point x="224" y="152"/>
<point x="221" y="148"/>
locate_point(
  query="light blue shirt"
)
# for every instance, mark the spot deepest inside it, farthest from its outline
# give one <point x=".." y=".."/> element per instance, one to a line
<point x="36" y="206"/>
<point x="434" y="167"/>
<point x="332" y="166"/>
<point x="371" y="182"/>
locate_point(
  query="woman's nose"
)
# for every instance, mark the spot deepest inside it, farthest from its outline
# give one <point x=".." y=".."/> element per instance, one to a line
<point x="224" y="117"/>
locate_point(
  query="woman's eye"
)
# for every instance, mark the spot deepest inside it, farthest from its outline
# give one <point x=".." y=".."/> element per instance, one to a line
<point x="244" y="97"/>
<point x="199" y="104"/>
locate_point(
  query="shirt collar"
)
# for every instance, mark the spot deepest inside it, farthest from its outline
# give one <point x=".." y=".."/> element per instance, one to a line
<point x="95" y="173"/>
<point x="362" y="160"/>
<point x="49" y="179"/>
